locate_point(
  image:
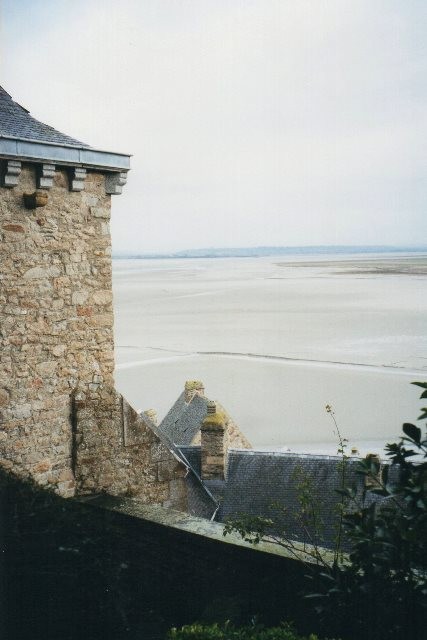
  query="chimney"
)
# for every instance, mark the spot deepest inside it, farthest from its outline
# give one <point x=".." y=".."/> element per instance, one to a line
<point x="213" y="444"/>
<point x="193" y="388"/>
<point x="151" y="415"/>
<point x="373" y="480"/>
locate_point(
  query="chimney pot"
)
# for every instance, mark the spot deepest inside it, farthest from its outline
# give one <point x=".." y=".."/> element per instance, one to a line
<point x="211" y="408"/>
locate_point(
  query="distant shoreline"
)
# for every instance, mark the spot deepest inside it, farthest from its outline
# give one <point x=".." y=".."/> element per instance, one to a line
<point x="261" y="252"/>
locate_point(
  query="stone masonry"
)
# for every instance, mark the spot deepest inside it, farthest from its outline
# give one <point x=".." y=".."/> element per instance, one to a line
<point x="57" y="351"/>
<point x="214" y="444"/>
<point x="61" y="421"/>
<point x="57" y="320"/>
<point x="119" y="453"/>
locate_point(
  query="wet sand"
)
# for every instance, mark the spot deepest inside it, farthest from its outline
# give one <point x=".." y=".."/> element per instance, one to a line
<point x="275" y="341"/>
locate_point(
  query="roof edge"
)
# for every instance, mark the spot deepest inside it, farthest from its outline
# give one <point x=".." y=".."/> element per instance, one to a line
<point x="62" y="154"/>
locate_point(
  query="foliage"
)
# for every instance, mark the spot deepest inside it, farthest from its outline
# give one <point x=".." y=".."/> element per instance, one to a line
<point x="379" y="589"/>
<point x="383" y="589"/>
<point x="230" y="632"/>
<point x="301" y="532"/>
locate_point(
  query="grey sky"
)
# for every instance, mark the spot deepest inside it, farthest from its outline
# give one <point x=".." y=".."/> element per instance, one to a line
<point x="251" y="122"/>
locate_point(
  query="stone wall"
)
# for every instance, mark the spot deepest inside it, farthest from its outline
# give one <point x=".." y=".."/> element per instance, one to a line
<point x="56" y="332"/>
<point x="117" y="452"/>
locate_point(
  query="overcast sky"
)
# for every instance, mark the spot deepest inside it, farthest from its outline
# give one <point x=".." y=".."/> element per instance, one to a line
<point x="251" y="122"/>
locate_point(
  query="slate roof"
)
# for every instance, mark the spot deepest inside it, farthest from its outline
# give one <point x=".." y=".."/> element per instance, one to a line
<point x="193" y="455"/>
<point x="258" y="482"/>
<point x="16" y="122"/>
<point x="183" y="420"/>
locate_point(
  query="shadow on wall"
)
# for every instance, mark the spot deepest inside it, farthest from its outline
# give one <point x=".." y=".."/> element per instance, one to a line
<point x="70" y="570"/>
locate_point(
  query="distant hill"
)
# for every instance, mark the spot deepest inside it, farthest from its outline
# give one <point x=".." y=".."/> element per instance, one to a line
<point x="260" y="252"/>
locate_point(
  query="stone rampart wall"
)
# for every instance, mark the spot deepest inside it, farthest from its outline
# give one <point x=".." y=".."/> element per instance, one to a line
<point x="117" y="452"/>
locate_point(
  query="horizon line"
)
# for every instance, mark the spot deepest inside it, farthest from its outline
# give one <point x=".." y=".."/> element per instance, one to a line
<point x="208" y="250"/>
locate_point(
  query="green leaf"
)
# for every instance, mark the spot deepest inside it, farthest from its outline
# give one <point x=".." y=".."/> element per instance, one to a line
<point x="412" y="432"/>
<point x="423" y="385"/>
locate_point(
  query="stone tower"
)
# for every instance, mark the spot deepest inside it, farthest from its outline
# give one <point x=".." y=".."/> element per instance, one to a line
<point x="62" y="423"/>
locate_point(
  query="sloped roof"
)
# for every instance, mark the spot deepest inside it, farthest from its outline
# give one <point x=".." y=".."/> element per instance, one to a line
<point x="183" y="420"/>
<point x="16" y="122"/>
<point x="257" y="482"/>
<point x="22" y="137"/>
<point x="271" y="485"/>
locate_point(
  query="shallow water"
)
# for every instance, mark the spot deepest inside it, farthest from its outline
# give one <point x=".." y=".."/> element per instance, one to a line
<point x="275" y="340"/>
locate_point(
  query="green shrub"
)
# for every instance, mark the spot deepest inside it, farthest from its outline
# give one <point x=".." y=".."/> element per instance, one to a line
<point x="378" y="590"/>
<point x="383" y="588"/>
<point x="230" y="632"/>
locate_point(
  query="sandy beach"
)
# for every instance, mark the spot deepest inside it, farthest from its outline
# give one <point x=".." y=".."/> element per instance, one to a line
<point x="275" y="340"/>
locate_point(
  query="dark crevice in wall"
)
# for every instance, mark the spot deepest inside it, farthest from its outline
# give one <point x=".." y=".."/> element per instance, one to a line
<point x="74" y="435"/>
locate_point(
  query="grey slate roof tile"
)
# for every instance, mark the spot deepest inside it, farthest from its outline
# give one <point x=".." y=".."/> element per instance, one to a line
<point x="16" y="122"/>
<point x="259" y="481"/>
<point x="200" y="503"/>
<point x="271" y="485"/>
<point x="183" y="420"/>
<point x="192" y="454"/>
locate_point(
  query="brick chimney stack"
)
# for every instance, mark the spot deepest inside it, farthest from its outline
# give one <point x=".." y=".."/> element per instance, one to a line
<point x="214" y="444"/>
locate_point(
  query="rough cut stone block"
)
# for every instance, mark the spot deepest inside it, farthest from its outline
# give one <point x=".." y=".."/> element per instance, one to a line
<point x="23" y="411"/>
<point x="16" y="228"/>
<point x="4" y="397"/>
<point x="42" y="272"/>
<point x="59" y="350"/>
<point x="46" y="368"/>
<point x="102" y="297"/>
<point x="159" y="452"/>
<point x="166" y="470"/>
<point x="100" y="212"/>
<point x="79" y="297"/>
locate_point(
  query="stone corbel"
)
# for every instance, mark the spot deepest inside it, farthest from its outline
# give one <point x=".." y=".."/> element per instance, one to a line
<point x="114" y="182"/>
<point x="45" y="176"/>
<point x="77" y="179"/>
<point x="11" y="173"/>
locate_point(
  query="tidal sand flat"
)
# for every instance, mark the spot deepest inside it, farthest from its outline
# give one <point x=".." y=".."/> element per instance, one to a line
<point x="275" y="340"/>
